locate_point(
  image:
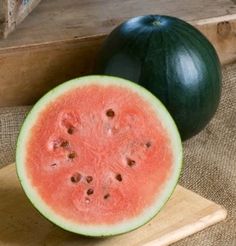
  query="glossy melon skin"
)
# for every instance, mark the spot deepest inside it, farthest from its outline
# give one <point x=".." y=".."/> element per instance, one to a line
<point x="173" y="60"/>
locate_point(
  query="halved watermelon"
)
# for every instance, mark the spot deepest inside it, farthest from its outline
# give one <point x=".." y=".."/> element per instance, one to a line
<point x="99" y="155"/>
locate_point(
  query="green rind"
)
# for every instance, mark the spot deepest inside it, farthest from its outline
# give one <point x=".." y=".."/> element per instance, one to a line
<point x="173" y="60"/>
<point x="95" y="230"/>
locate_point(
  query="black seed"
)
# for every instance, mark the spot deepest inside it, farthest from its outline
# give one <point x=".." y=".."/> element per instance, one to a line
<point x="53" y="164"/>
<point x="64" y="144"/>
<point x="89" y="192"/>
<point x="72" y="155"/>
<point x="130" y="162"/>
<point x="71" y="130"/>
<point x="110" y="113"/>
<point x="148" y="144"/>
<point x="89" y="179"/>
<point x="106" y="196"/>
<point x="119" y="177"/>
<point x="76" y="177"/>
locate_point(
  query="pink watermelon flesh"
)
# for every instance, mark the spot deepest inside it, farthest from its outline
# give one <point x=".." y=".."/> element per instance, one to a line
<point x="98" y="155"/>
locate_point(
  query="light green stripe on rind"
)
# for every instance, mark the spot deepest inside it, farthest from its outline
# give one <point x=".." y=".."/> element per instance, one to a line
<point x="99" y="230"/>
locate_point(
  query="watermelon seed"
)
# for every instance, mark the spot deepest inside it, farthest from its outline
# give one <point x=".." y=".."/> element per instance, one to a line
<point x="110" y="113"/>
<point x="130" y="162"/>
<point x="148" y="144"/>
<point x="64" y="144"/>
<point x="119" y="177"/>
<point x="53" y="164"/>
<point x="106" y="196"/>
<point x="72" y="155"/>
<point x="76" y="177"/>
<point x="89" y="192"/>
<point x="89" y="179"/>
<point x="70" y="130"/>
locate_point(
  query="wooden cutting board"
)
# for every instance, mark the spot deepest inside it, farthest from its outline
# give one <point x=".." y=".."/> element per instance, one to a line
<point x="20" y="224"/>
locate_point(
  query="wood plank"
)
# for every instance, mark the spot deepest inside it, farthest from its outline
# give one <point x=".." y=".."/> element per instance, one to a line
<point x="61" y="20"/>
<point x="60" y="40"/>
<point x="33" y="70"/>
<point x="221" y="31"/>
<point x="12" y="13"/>
<point x="26" y="74"/>
<point x="184" y="214"/>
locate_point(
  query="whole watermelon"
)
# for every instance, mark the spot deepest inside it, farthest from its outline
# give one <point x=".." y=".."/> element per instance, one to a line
<point x="173" y="60"/>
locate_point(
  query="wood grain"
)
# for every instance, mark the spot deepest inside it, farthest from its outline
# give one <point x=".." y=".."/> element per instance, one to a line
<point x="60" y="39"/>
<point x="20" y="224"/>
<point x="221" y="31"/>
<point x="12" y="12"/>
<point x="61" y="20"/>
<point x="28" y="73"/>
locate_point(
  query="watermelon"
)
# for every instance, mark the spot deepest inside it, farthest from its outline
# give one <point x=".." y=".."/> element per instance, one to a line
<point x="98" y="155"/>
<point x="173" y="60"/>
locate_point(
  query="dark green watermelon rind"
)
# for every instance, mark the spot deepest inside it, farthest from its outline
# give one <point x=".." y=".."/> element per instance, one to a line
<point x="173" y="60"/>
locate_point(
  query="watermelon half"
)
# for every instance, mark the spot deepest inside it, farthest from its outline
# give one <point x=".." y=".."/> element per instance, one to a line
<point x="99" y="155"/>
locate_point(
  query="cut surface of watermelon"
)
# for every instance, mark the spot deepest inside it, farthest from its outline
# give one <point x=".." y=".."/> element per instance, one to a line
<point x="98" y="155"/>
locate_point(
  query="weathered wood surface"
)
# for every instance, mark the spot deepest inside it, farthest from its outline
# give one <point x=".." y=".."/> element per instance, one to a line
<point x="60" y="39"/>
<point x="12" y="12"/>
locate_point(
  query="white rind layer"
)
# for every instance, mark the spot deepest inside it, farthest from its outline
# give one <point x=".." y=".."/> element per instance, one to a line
<point x="99" y="230"/>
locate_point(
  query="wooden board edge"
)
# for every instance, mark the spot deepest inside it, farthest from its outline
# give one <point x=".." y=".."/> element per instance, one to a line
<point x="221" y="31"/>
<point x="12" y="16"/>
<point x="23" y="14"/>
<point x="212" y="20"/>
<point x="190" y="229"/>
<point x="3" y="17"/>
<point x="77" y="57"/>
<point x="60" y="44"/>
